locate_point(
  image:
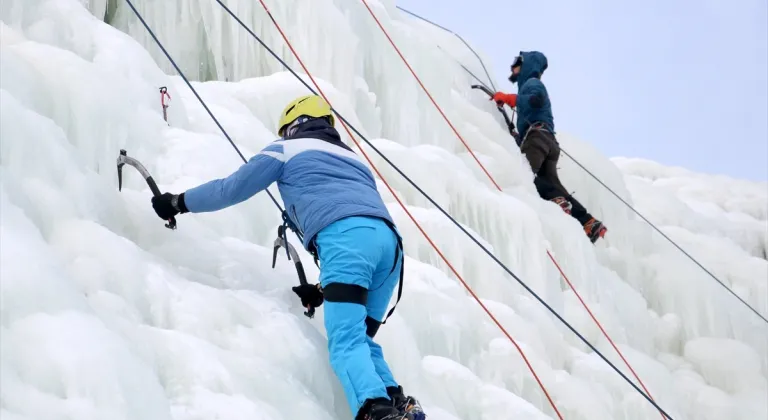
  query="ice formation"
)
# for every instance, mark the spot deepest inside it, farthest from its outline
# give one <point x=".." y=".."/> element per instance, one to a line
<point x="108" y="315"/>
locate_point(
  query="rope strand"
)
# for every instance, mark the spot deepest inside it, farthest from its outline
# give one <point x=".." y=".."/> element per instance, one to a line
<point x="695" y="261"/>
<point x="549" y="254"/>
<point x="401" y="173"/>
<point x="413" y="219"/>
<point x="482" y="63"/>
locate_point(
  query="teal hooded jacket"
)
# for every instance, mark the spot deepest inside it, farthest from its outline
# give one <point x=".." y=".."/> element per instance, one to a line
<point x="533" y="105"/>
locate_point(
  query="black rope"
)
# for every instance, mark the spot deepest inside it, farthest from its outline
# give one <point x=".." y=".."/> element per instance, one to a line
<point x="560" y="318"/>
<point x="490" y="79"/>
<point x="666" y="237"/>
<point x="607" y="187"/>
<point x="159" y="44"/>
<point x="455" y="222"/>
<point x="581" y="337"/>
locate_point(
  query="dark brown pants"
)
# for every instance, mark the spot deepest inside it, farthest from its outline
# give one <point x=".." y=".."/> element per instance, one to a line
<point x="542" y="151"/>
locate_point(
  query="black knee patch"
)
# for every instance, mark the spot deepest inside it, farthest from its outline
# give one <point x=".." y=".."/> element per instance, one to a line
<point x="345" y="293"/>
<point x="371" y="326"/>
<point x="351" y="293"/>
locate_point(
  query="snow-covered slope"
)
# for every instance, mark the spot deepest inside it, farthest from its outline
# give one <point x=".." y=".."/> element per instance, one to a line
<point x="108" y="315"/>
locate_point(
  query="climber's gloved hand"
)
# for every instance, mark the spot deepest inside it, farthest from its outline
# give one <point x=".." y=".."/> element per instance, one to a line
<point x="168" y="205"/>
<point x="502" y="98"/>
<point x="311" y="295"/>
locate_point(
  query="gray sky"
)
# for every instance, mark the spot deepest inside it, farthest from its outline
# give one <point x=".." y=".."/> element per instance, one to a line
<point x="681" y="82"/>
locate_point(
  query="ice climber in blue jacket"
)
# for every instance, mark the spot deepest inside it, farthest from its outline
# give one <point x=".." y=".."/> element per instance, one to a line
<point x="331" y="198"/>
<point x="536" y="127"/>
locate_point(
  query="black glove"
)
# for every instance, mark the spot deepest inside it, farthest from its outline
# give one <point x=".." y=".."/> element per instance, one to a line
<point x="169" y="205"/>
<point x="311" y="295"/>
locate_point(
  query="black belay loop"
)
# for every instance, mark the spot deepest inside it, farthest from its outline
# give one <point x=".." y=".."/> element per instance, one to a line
<point x="290" y="251"/>
<point x="399" y="256"/>
<point x="123" y="159"/>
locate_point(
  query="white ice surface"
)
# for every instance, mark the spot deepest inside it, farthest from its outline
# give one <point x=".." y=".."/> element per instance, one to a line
<point x="105" y="314"/>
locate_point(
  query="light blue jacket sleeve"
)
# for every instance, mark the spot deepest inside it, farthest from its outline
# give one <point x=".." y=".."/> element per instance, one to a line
<point x="251" y="178"/>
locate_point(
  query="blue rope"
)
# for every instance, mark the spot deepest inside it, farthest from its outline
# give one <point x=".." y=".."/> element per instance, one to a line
<point x="455" y="222"/>
<point x="603" y="184"/>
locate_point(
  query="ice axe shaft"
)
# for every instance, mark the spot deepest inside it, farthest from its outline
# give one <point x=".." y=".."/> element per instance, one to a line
<point x="122" y="160"/>
<point x="292" y="254"/>
<point x="484" y="89"/>
<point x="510" y="124"/>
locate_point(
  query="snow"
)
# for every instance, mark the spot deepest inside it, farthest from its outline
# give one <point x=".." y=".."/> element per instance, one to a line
<point x="108" y="315"/>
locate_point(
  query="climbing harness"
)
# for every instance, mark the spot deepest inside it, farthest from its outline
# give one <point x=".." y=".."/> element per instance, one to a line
<point x="537" y="126"/>
<point x="339" y="292"/>
<point x="124" y="159"/>
<point x="350" y="293"/>
<point x="349" y="127"/>
<point x="164" y="94"/>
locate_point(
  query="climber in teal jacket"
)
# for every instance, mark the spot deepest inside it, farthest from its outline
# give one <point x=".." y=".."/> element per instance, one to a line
<point x="537" y="137"/>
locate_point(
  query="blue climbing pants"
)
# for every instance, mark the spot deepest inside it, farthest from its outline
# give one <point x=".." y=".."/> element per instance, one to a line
<point x="359" y="251"/>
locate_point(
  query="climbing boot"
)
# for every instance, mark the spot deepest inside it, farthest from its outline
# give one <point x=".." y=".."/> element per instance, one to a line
<point x="563" y="203"/>
<point x="407" y="406"/>
<point x="594" y="229"/>
<point x="379" y="409"/>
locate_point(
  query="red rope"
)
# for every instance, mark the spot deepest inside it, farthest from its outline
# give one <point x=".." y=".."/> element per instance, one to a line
<point x="442" y="256"/>
<point x="601" y="328"/>
<point x="499" y="188"/>
<point x="440" y="110"/>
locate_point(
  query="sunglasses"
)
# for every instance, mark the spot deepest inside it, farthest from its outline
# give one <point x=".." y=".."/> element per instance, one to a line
<point x="518" y="61"/>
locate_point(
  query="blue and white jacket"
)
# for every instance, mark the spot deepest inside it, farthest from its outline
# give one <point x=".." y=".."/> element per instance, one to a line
<point x="321" y="180"/>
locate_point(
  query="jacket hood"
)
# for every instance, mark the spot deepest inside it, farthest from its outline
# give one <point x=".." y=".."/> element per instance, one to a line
<point x="534" y="64"/>
<point x="316" y="128"/>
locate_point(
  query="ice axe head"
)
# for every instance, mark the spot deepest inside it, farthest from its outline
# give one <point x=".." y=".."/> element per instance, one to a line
<point x="120" y="164"/>
<point x="123" y="159"/>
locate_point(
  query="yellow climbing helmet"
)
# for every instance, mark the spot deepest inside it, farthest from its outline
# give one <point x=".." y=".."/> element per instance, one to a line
<point x="310" y="105"/>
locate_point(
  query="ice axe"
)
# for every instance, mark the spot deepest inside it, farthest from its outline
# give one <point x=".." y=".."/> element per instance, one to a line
<point x="500" y="107"/>
<point x="124" y="159"/>
<point x="292" y="254"/>
<point x="163" y="95"/>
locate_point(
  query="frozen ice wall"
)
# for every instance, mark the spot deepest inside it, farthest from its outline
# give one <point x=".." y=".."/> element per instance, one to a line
<point x="106" y="314"/>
